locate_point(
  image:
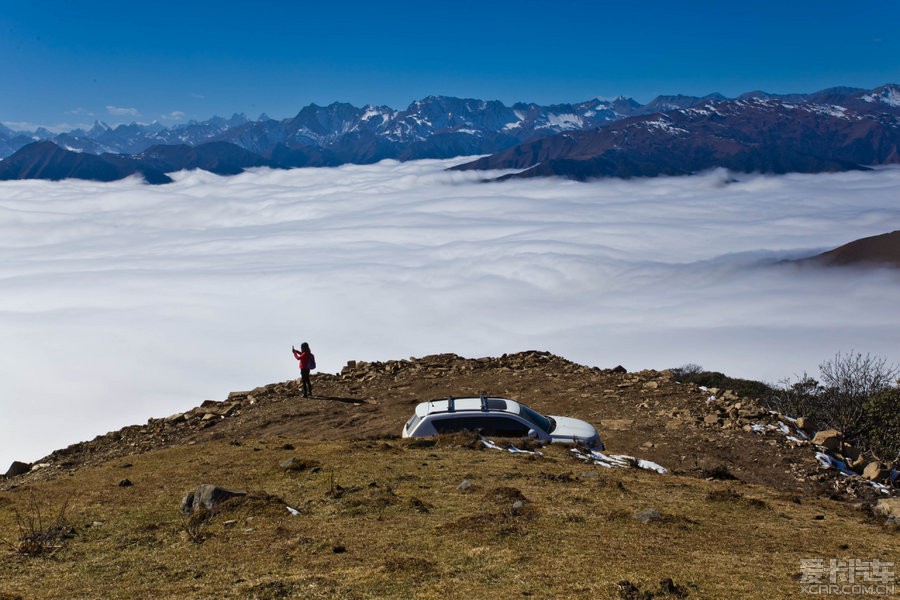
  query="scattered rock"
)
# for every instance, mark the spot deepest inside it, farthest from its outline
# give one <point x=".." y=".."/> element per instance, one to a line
<point x="465" y="486"/>
<point x="125" y="483"/>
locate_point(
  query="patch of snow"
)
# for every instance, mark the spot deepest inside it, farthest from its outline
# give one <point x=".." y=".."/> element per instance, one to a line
<point x="889" y="96"/>
<point x="830" y="110"/>
<point x="831" y="462"/>
<point x="511" y="448"/>
<point x="565" y="121"/>
<point x="665" y="126"/>
<point x="618" y="461"/>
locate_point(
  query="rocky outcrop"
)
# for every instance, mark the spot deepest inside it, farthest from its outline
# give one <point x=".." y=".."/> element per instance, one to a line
<point x="17" y="468"/>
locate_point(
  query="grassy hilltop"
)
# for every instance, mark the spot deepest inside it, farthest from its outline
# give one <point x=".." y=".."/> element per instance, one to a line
<point x="381" y="517"/>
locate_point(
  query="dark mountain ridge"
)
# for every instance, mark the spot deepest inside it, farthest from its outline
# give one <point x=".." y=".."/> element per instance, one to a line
<point x="755" y="134"/>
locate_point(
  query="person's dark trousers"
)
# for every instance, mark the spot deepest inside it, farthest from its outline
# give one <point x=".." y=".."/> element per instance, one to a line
<point x="306" y="384"/>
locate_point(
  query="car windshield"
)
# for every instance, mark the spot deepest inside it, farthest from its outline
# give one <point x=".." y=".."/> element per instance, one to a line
<point x="411" y="424"/>
<point x="538" y="419"/>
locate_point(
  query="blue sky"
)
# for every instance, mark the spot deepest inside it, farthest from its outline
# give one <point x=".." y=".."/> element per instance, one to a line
<point x="67" y="63"/>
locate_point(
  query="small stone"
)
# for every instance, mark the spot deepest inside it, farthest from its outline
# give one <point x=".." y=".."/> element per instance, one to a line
<point x="125" y="483"/>
<point x="650" y="514"/>
<point x="711" y="419"/>
<point x="465" y="486"/>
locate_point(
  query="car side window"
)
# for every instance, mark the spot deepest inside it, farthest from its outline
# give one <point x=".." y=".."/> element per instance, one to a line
<point x="508" y="427"/>
<point x="453" y="424"/>
<point x="492" y="425"/>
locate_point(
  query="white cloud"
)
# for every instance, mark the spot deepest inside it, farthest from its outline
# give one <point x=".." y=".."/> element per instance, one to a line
<point x="26" y="126"/>
<point x="122" y="112"/>
<point x="175" y="115"/>
<point x="124" y="301"/>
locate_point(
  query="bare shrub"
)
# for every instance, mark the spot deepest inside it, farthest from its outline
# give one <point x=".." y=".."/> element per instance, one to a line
<point x="850" y="380"/>
<point x="848" y="397"/>
<point x="38" y="535"/>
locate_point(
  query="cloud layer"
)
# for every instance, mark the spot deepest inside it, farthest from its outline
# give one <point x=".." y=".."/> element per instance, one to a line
<point x="124" y="301"/>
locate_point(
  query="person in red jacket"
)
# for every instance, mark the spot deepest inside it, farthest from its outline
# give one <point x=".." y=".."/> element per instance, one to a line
<point x="307" y="362"/>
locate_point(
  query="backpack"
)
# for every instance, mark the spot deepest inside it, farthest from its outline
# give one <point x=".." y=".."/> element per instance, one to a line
<point x="312" y="361"/>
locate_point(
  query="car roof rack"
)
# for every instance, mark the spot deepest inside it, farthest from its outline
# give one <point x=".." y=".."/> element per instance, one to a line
<point x="451" y="406"/>
<point x="484" y="403"/>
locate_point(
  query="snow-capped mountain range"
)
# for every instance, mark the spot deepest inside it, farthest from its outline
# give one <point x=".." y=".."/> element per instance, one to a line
<point x="831" y="129"/>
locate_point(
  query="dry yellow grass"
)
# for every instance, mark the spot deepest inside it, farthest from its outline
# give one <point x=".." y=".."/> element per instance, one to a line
<point x="383" y="518"/>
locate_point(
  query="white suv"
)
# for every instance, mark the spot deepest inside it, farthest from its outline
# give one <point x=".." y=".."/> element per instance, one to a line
<point x="497" y="417"/>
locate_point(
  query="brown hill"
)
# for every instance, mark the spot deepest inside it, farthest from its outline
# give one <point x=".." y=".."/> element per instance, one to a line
<point x="647" y="414"/>
<point x="878" y="250"/>
<point x="327" y="502"/>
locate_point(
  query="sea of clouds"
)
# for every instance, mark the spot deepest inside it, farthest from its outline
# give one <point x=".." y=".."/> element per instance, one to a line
<point x="123" y="301"/>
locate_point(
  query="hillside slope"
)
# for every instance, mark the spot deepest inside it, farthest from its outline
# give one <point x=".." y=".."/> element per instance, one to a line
<point x="646" y="414"/>
<point x="338" y="506"/>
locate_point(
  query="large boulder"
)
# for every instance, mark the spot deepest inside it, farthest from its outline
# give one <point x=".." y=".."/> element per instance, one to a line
<point x="830" y="439"/>
<point x="875" y="471"/>
<point x="17" y="468"/>
<point x="207" y="496"/>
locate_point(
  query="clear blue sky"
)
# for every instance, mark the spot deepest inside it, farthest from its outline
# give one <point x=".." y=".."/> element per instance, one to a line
<point x="69" y="63"/>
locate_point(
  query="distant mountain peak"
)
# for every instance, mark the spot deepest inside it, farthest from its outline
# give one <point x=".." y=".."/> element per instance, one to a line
<point x="862" y="124"/>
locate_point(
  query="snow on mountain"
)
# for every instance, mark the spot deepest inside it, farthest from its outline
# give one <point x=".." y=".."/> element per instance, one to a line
<point x="888" y="94"/>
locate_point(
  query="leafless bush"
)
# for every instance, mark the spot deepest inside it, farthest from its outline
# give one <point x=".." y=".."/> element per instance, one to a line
<point x="850" y="380"/>
<point x="842" y="399"/>
<point x="38" y="535"/>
